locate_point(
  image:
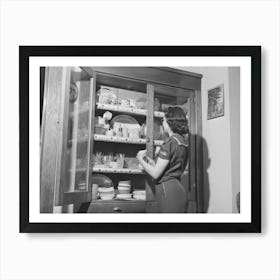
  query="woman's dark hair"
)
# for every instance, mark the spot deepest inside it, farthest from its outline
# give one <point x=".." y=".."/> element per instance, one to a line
<point x="176" y="118"/>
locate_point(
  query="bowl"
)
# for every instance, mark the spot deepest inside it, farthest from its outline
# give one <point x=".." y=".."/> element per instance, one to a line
<point x="106" y="190"/>
<point x="123" y="188"/>
<point x="106" y="197"/>
<point x="127" y="191"/>
<point x="124" y="183"/>
<point x="123" y="196"/>
<point x="107" y="194"/>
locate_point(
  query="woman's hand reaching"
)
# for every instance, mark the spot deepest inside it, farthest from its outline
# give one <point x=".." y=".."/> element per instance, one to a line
<point x="157" y="150"/>
<point x="153" y="169"/>
<point x="141" y="154"/>
<point x="143" y="158"/>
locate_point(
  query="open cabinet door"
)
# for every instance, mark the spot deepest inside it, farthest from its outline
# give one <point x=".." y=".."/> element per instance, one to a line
<point x="66" y="152"/>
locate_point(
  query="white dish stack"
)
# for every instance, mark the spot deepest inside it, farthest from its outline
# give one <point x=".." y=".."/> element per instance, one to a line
<point x="139" y="194"/>
<point x="106" y="193"/>
<point x="124" y="188"/>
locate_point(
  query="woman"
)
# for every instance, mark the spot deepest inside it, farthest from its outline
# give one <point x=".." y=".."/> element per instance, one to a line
<point x="170" y="164"/>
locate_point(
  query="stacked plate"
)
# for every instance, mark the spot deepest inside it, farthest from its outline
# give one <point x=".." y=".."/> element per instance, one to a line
<point x="139" y="194"/>
<point x="123" y="196"/>
<point x="105" y="187"/>
<point x="124" y="188"/>
<point x="106" y="193"/>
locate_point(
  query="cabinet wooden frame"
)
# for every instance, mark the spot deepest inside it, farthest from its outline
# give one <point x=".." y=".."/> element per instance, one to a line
<point x="62" y="196"/>
<point x="166" y="79"/>
<point x="25" y="52"/>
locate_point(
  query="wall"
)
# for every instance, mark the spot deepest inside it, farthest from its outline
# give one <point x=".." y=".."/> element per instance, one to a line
<point x="217" y="135"/>
<point x="234" y="99"/>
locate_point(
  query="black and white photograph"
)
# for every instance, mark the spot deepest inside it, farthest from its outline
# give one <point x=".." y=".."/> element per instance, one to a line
<point x="131" y="141"/>
<point x="128" y="140"/>
<point x="216" y="102"/>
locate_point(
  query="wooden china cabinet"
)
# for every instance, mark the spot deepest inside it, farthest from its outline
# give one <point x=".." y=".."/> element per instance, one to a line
<point x="69" y="140"/>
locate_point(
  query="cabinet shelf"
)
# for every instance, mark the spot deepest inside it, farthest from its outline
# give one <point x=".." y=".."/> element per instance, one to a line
<point x="122" y="109"/>
<point x="99" y="200"/>
<point x="117" y="170"/>
<point x="115" y="139"/>
<point x="105" y="138"/>
<point x="118" y="108"/>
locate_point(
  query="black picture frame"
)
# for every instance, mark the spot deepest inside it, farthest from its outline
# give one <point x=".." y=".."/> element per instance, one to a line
<point x="254" y="52"/>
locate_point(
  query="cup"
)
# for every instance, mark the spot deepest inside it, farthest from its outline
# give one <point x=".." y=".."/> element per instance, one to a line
<point x="125" y="131"/>
<point x="120" y="160"/>
<point x="116" y="127"/>
<point x="136" y="133"/>
<point x="125" y="102"/>
<point x="132" y="103"/>
<point x="101" y="120"/>
<point x="110" y="132"/>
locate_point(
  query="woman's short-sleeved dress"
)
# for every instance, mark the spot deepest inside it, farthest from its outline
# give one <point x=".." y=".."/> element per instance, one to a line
<point x="170" y="194"/>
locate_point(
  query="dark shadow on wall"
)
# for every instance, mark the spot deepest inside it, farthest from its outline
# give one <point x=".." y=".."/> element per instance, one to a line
<point x="197" y="184"/>
<point x="203" y="190"/>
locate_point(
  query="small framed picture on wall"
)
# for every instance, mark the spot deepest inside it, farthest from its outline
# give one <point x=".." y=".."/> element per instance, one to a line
<point x="216" y="102"/>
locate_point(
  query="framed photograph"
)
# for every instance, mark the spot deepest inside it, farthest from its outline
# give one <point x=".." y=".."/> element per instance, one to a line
<point x="116" y="138"/>
<point x="216" y="102"/>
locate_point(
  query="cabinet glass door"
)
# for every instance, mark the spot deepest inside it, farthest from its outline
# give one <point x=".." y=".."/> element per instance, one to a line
<point x="78" y="144"/>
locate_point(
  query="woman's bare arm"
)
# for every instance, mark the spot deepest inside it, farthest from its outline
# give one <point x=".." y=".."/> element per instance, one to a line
<point x="150" y="161"/>
<point x="156" y="170"/>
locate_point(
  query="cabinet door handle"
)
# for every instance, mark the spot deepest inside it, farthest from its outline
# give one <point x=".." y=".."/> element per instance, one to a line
<point x="117" y="210"/>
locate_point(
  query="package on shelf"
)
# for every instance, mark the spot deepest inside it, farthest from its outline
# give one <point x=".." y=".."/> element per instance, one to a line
<point x="118" y="96"/>
<point x="110" y="160"/>
<point x="131" y="163"/>
<point x="101" y="125"/>
<point x="106" y="96"/>
<point x="127" y="130"/>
